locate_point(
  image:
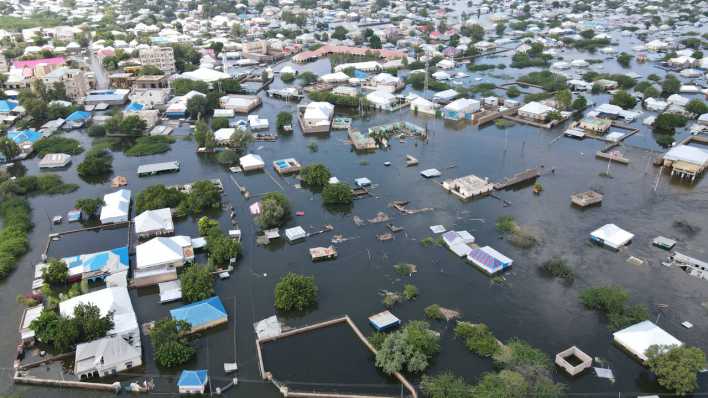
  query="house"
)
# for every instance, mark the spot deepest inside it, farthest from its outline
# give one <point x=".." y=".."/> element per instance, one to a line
<point x="384" y="321"/>
<point x="157" y="260"/>
<point x="317" y="117"/>
<point x="612" y="236"/>
<point x="422" y="105"/>
<point x="54" y="161"/>
<point x="286" y="166"/>
<point x="251" y="162"/>
<point x="595" y="124"/>
<point x="76" y="120"/>
<point x="458" y="242"/>
<point x="446" y="64"/>
<point x="109" y="97"/>
<point x="105" y="357"/>
<point x="154" y="223"/>
<point x="382" y="100"/>
<point x="201" y="315"/>
<point x="240" y="103"/>
<point x="116" y="208"/>
<point x="655" y="105"/>
<point x="257" y="123"/>
<point x="460" y="109"/>
<point x="468" y="186"/>
<point x="29" y="315"/>
<point x="114" y="300"/>
<point x="445" y="96"/>
<point x="336" y="77"/>
<point x="223" y="135"/>
<point x="385" y="82"/>
<point x="192" y="382"/>
<point x="489" y="260"/>
<point x="637" y="339"/>
<point x="361" y="142"/>
<point x="535" y="111"/>
<point x="295" y="233"/>
<point x="205" y="75"/>
<point x="686" y="161"/>
<point x="97" y="266"/>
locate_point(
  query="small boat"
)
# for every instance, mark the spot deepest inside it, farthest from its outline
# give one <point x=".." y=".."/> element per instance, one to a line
<point x="57" y="219"/>
<point x="299" y="213"/>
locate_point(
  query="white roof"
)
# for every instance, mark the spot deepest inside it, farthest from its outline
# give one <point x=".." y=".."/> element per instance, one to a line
<point x="639" y="337"/>
<point x="688" y="153"/>
<point x="381" y="97"/>
<point x="535" y="108"/>
<point x="269" y="327"/>
<point x="612" y="235"/>
<point x="335" y="77"/>
<point x="251" y="160"/>
<point x="295" y="233"/>
<point x="116" y="207"/>
<point x="318" y="111"/>
<point x="54" y="160"/>
<point x="161" y="251"/>
<point x="110" y="299"/>
<point x="224" y="134"/>
<point x="205" y="75"/>
<point x="154" y="220"/>
<point x="170" y="291"/>
<point x="104" y="353"/>
<point x="383" y="319"/>
<point x="462" y="104"/>
<point x="420" y="102"/>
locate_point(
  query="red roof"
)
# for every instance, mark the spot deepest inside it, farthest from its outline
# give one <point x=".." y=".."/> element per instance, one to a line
<point x="34" y="62"/>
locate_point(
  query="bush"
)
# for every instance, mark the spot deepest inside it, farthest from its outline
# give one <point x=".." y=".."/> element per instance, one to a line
<point x="611" y="300"/>
<point x="506" y="224"/>
<point x="97" y="163"/>
<point x="150" y="145"/>
<point x="219" y="123"/>
<point x="548" y="80"/>
<point x="338" y="193"/>
<point x="446" y="385"/>
<point x="275" y="210"/>
<point x="410" y="292"/>
<point x="158" y="197"/>
<point x="558" y="268"/>
<point x="56" y="272"/>
<point x="513" y="92"/>
<point x="283" y="119"/>
<point x="433" y="311"/>
<point x="623" y="99"/>
<point x="697" y="107"/>
<point x="197" y="283"/>
<point x="315" y="175"/>
<point x="666" y="123"/>
<point x="221" y="248"/>
<point x="57" y="144"/>
<point x="89" y="206"/>
<point x="517" y="354"/>
<point x="287" y="77"/>
<point x="228" y="157"/>
<point x="478" y="338"/>
<point x="295" y="292"/>
<point x="96" y="130"/>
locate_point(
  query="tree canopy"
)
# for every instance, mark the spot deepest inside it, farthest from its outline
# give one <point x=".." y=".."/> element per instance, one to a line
<point x="315" y="175"/>
<point x="275" y="210"/>
<point x="56" y="272"/>
<point x="408" y="349"/>
<point x="295" y="292"/>
<point x="197" y="283"/>
<point x="338" y="193"/>
<point x="676" y="368"/>
<point x="171" y="347"/>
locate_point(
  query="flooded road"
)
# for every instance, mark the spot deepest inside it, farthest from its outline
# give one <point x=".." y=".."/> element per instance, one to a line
<point x="542" y="311"/>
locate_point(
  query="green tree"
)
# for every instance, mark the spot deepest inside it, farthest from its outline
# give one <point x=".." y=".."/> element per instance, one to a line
<point x="205" y="225"/>
<point x="410" y="292"/>
<point x="89" y="206"/>
<point x="287" y="77"/>
<point x="97" y="163"/>
<point x="624" y="59"/>
<point x="219" y="123"/>
<point x="96" y="130"/>
<point x="478" y="338"/>
<point x="197" y="107"/>
<point x="676" y="368"/>
<point x="230" y="86"/>
<point x="240" y="141"/>
<point x="513" y="92"/>
<point x="507" y="383"/>
<point x="158" y="197"/>
<point x="315" y="175"/>
<point x="408" y="349"/>
<point x="579" y="103"/>
<point x="475" y="32"/>
<point x="295" y="292"/>
<point x="150" y="70"/>
<point x="57" y="144"/>
<point x="670" y="85"/>
<point x="445" y="385"/>
<point x="374" y="42"/>
<point x="170" y="346"/>
<point x="275" y="209"/>
<point x="203" y="196"/>
<point x="200" y="131"/>
<point x="283" y="119"/>
<point x="221" y="248"/>
<point x="340" y="33"/>
<point x="197" y="283"/>
<point x="56" y="272"/>
<point x="500" y="28"/>
<point x="338" y="193"/>
<point x="697" y="107"/>
<point x="563" y="98"/>
<point x="666" y="123"/>
<point x="624" y="100"/>
<point x="90" y="323"/>
<point x="307" y="78"/>
<point x="9" y="148"/>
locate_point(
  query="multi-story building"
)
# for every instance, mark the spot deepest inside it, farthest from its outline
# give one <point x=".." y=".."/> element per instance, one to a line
<point x="75" y="81"/>
<point x="162" y="57"/>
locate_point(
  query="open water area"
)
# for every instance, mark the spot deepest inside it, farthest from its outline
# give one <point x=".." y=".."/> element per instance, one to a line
<point x="525" y="304"/>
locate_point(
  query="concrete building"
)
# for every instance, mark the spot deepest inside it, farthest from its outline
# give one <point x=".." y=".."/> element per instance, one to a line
<point x="468" y="186"/>
<point x="105" y="357"/>
<point x="74" y="80"/>
<point x="162" y="57"/>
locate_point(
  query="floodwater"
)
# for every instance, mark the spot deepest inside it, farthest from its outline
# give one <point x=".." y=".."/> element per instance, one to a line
<point x="542" y="311"/>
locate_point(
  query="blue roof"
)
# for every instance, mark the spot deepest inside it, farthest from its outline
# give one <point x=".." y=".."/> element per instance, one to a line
<point x="7" y="106"/>
<point x="96" y="261"/>
<point x="190" y="378"/>
<point x="201" y="312"/>
<point x="134" y="107"/>
<point x="24" y="136"/>
<point x="359" y="74"/>
<point x="78" y="116"/>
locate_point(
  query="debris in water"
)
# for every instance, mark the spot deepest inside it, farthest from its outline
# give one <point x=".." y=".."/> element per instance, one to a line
<point x="386" y="236"/>
<point x="358" y="221"/>
<point x="380" y="217"/>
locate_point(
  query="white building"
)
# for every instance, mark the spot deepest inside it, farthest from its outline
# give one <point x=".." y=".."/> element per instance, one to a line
<point x="116" y="207"/>
<point x="317" y="117"/>
<point x="157" y="260"/>
<point x="154" y="223"/>
<point x="162" y="57"/>
<point x="535" y="111"/>
<point x="639" y="337"/>
<point x="612" y="236"/>
<point x="251" y="162"/>
<point x="382" y="99"/>
<point x="105" y="357"/>
<point x="422" y="105"/>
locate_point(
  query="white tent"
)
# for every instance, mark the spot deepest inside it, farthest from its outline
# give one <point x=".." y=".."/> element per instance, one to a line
<point x="639" y="337"/>
<point x="116" y="208"/>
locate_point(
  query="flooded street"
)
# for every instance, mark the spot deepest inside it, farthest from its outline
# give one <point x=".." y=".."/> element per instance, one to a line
<point x="525" y="304"/>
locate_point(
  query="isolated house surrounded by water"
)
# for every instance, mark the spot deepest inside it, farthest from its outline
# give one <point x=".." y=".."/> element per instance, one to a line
<point x="154" y="223"/>
<point x="157" y="260"/>
<point x="462" y="108"/>
<point x="639" y="337"/>
<point x="489" y="260"/>
<point x="611" y="236"/>
<point x="193" y="382"/>
<point x="317" y="117"/>
<point x="116" y="207"/>
<point x="202" y="315"/>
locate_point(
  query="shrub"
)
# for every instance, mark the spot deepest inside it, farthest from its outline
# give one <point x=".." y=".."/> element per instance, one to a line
<point x="295" y="292"/>
<point x="433" y="311"/>
<point x="338" y="193"/>
<point x="611" y="300"/>
<point x="558" y="268"/>
<point x="315" y="175"/>
<point x="57" y="144"/>
<point x="506" y="224"/>
<point x="97" y="163"/>
<point x="275" y="210"/>
<point x="478" y="338"/>
<point x="170" y="344"/>
<point x="56" y="272"/>
<point x="676" y="368"/>
<point x="408" y="349"/>
<point x="150" y="145"/>
<point x="446" y="385"/>
<point x="197" y="283"/>
<point x="410" y="292"/>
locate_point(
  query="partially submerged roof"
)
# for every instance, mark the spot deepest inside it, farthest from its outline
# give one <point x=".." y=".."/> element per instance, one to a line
<point x="201" y="313"/>
<point x="639" y="337"/>
<point x="193" y="378"/>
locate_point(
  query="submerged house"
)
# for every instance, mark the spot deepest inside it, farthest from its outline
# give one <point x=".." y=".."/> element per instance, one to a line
<point x="77" y="120"/>
<point x="193" y="382"/>
<point x="686" y="161"/>
<point x="422" y="105"/>
<point x="105" y="357"/>
<point x="460" y="109"/>
<point x="97" y="266"/>
<point x="468" y="186"/>
<point x="489" y="260"/>
<point x="116" y="207"/>
<point x="202" y="315"/>
<point x="637" y="339"/>
<point x="317" y="117"/>
<point x="612" y="236"/>
<point x="154" y="223"/>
